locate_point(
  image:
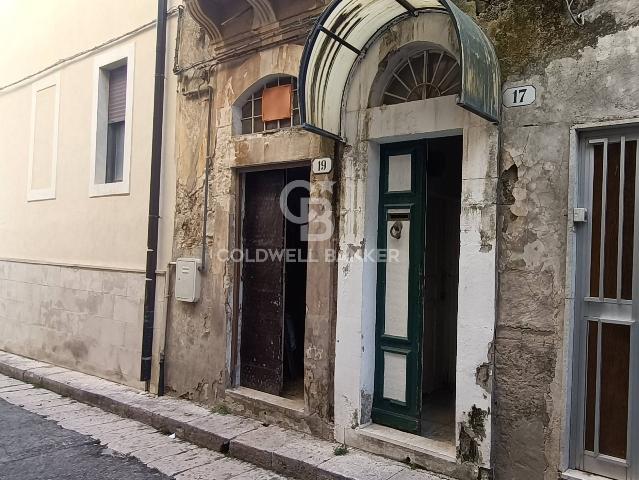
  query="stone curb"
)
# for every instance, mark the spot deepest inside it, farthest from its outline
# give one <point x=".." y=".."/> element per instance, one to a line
<point x="283" y="451"/>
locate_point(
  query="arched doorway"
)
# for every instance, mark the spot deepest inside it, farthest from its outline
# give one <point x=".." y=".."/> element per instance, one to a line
<point x="397" y="124"/>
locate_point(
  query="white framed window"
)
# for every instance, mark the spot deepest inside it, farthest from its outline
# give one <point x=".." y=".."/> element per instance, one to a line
<point x="43" y="143"/>
<point x="112" y="114"/>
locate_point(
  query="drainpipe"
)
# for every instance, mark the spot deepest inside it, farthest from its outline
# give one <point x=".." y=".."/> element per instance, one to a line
<point x="154" y="197"/>
<point x="162" y="360"/>
<point x="206" y="180"/>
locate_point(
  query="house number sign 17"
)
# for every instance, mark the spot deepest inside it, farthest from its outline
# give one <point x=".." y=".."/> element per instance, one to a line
<point x="520" y="96"/>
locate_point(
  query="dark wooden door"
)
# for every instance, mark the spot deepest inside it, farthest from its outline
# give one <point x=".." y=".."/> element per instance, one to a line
<point x="262" y="315"/>
<point x="398" y="356"/>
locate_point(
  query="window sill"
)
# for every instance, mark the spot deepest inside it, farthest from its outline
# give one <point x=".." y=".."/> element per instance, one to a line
<point x="108" y="189"/>
<point x="268" y="133"/>
<point x="40" y="195"/>
<point x="579" y="475"/>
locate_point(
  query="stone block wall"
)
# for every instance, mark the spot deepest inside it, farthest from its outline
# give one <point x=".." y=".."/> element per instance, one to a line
<point x="82" y="318"/>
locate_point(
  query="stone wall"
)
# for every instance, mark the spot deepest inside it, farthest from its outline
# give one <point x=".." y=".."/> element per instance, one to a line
<point x="200" y="355"/>
<point x="86" y="319"/>
<point x="581" y="75"/>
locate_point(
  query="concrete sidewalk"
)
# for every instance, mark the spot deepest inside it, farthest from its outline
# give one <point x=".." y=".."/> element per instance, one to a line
<point x="273" y="448"/>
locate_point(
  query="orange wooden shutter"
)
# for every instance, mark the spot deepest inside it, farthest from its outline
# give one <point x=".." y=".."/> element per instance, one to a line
<point x="277" y="103"/>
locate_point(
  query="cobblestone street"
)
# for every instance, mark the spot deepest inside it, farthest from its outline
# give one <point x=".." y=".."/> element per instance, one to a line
<point x="32" y="448"/>
<point x="76" y="441"/>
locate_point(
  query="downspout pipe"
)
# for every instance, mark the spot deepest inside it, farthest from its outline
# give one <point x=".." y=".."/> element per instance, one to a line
<point x="206" y="180"/>
<point x="154" y="197"/>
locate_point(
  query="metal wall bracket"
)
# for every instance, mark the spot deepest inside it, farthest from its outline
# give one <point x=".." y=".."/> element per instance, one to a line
<point x="577" y="17"/>
<point x="579" y="215"/>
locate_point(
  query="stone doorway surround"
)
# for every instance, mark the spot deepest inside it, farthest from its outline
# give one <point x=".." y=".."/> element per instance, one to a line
<point x="314" y="414"/>
<point x="207" y="371"/>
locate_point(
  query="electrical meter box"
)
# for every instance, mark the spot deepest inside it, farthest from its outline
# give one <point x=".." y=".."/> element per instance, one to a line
<point x="187" y="279"/>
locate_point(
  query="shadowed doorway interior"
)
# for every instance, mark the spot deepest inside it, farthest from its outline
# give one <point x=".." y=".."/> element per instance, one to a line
<point x="273" y="290"/>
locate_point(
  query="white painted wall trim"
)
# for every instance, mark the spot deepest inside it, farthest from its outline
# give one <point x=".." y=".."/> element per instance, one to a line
<point x="49" y="192"/>
<point x="355" y="350"/>
<point x="578" y="475"/>
<point x="110" y="59"/>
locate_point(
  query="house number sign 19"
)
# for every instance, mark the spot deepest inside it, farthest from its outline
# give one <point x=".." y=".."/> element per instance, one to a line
<point x="520" y="96"/>
<point x="322" y="165"/>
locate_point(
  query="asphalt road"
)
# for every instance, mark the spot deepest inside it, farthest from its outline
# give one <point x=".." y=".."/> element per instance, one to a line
<point x="33" y="448"/>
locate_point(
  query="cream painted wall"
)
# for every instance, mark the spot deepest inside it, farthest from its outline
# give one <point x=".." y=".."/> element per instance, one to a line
<point x="74" y="228"/>
<point x="87" y="318"/>
<point x="42" y="32"/>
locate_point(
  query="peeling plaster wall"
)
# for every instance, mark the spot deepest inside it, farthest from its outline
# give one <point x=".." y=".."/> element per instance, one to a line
<point x="199" y="338"/>
<point x="513" y="395"/>
<point x="365" y="129"/>
<point x="581" y="75"/>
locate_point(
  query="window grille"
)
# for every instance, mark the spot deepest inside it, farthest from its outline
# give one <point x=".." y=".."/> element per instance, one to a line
<point x="252" y="109"/>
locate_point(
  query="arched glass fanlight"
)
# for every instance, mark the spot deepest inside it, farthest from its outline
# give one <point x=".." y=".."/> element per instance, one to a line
<point x="428" y="74"/>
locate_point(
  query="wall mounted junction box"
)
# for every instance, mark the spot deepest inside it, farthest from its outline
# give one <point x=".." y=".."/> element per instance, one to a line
<point x="187" y="279"/>
<point x="579" y="215"/>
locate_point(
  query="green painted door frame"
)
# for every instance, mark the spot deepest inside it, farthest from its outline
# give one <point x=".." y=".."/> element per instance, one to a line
<point x="403" y="415"/>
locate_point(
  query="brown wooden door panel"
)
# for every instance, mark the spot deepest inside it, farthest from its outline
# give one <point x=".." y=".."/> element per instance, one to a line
<point x="261" y="345"/>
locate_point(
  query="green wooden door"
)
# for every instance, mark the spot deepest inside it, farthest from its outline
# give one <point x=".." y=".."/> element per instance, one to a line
<point x="398" y="357"/>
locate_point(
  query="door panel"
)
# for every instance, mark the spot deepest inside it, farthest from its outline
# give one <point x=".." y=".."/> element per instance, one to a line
<point x="397" y="399"/>
<point x="613" y="401"/>
<point x="262" y="328"/>
<point x="396" y="295"/>
<point x="607" y="376"/>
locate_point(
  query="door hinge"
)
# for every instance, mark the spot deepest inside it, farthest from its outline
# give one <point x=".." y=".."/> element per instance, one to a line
<point x="579" y="215"/>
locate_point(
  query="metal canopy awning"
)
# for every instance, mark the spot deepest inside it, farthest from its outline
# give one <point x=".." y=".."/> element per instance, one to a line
<point x="346" y="29"/>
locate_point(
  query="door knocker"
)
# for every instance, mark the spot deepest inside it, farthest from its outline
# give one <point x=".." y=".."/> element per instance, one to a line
<point x="396" y="230"/>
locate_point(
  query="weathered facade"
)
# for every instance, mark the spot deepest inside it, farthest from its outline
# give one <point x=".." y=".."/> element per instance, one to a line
<point x="206" y="330"/>
<point x="514" y="339"/>
<point x="460" y="182"/>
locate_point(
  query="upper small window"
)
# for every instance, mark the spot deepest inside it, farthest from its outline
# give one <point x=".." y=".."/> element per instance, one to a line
<point x="272" y="106"/>
<point x="110" y="162"/>
<point x="115" y="125"/>
<point x="428" y="74"/>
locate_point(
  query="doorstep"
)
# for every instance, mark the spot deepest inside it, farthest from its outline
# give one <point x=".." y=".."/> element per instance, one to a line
<point x="283" y="451"/>
<point x="271" y="409"/>
<point x="435" y="456"/>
